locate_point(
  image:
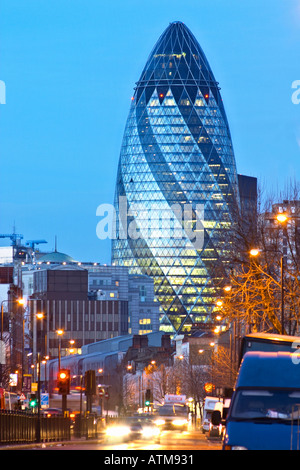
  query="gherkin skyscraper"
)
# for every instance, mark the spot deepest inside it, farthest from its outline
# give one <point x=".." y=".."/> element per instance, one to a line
<point x="176" y="153"/>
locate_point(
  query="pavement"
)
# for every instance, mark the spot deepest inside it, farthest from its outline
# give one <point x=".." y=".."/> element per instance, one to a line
<point x="43" y="445"/>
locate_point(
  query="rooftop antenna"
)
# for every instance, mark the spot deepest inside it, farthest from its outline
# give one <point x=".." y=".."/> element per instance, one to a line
<point x="55" y="249"/>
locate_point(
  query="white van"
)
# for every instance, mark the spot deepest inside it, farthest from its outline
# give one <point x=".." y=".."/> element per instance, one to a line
<point x="209" y="407"/>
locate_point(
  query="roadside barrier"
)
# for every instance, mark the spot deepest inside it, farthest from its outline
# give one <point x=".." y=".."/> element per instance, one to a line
<point x="24" y="427"/>
<point x="90" y="426"/>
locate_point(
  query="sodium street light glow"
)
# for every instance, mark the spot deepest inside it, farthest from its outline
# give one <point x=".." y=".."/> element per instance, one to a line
<point x="282" y="218"/>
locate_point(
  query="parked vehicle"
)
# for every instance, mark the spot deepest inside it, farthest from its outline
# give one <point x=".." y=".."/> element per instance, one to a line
<point x="209" y="406"/>
<point x="265" y="407"/>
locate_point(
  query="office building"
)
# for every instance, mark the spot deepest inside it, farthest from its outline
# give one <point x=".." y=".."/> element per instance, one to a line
<point x="177" y="186"/>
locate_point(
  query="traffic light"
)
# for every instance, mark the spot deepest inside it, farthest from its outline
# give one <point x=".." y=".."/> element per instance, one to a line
<point x="63" y="381"/>
<point x="33" y="401"/>
<point x="148" y="397"/>
<point x="209" y="387"/>
<point x="90" y="382"/>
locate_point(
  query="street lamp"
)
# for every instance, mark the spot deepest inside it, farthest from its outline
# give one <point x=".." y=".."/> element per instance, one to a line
<point x="282" y="218"/>
<point x="59" y="333"/>
<point x="227" y="288"/>
<point x="19" y="301"/>
<point x="254" y="252"/>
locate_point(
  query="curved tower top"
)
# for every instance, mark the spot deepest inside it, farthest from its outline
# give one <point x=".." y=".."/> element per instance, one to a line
<point x="177" y="152"/>
<point x="178" y="60"/>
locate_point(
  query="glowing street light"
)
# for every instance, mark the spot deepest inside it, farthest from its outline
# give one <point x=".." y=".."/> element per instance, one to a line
<point x="59" y="333"/>
<point x="227" y="288"/>
<point x="281" y="217"/>
<point x="254" y="252"/>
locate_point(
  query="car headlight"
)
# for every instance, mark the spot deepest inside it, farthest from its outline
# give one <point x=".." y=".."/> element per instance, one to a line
<point x="160" y="422"/>
<point x="150" y="432"/>
<point x="179" y="422"/>
<point x="117" y="431"/>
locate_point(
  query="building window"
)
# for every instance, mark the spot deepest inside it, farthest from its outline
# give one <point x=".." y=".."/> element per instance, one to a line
<point x="145" y="321"/>
<point x="142" y="294"/>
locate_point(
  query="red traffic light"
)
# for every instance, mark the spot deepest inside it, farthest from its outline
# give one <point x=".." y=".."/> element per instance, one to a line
<point x="63" y="381"/>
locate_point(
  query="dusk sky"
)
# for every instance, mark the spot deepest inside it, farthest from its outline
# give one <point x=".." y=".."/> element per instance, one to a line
<point x="70" y="67"/>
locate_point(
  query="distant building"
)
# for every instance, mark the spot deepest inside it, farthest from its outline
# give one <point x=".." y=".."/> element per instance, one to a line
<point x="109" y="359"/>
<point x="285" y="238"/>
<point x="60" y="293"/>
<point x="88" y="301"/>
<point x="104" y="283"/>
<point x="248" y="195"/>
<point x="115" y="282"/>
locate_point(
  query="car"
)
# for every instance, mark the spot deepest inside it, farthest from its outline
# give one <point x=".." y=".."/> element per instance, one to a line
<point x="49" y="412"/>
<point x="129" y="428"/>
<point x="172" y="417"/>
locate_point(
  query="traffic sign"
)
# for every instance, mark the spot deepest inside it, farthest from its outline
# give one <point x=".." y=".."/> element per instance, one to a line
<point x="27" y="378"/>
<point x="44" y="400"/>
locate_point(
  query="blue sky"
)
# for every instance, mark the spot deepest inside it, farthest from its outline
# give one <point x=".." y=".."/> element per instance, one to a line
<point x="70" y="67"/>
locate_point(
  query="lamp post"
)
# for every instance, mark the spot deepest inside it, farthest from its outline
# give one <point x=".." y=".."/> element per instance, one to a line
<point x="38" y="434"/>
<point x="19" y="301"/>
<point x="59" y="333"/>
<point x="282" y="218"/>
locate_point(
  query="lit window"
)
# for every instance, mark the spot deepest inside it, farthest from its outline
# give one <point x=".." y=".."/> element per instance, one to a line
<point x="145" y="321"/>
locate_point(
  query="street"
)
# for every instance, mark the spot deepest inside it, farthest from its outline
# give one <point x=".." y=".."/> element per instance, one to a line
<point x="170" y="441"/>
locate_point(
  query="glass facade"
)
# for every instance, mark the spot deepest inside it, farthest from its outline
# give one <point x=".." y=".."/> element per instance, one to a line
<point x="176" y="154"/>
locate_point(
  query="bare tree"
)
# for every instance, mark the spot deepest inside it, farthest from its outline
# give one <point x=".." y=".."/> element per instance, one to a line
<point x="266" y="288"/>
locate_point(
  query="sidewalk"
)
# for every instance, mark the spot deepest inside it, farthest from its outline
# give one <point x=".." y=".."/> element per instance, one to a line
<point x="37" y="445"/>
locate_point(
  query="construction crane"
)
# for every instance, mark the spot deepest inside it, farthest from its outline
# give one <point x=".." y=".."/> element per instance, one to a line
<point x="13" y="236"/>
<point x="32" y="243"/>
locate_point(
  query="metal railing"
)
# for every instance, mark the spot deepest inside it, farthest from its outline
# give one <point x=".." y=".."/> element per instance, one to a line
<point x="23" y="427"/>
<point x="90" y="426"/>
